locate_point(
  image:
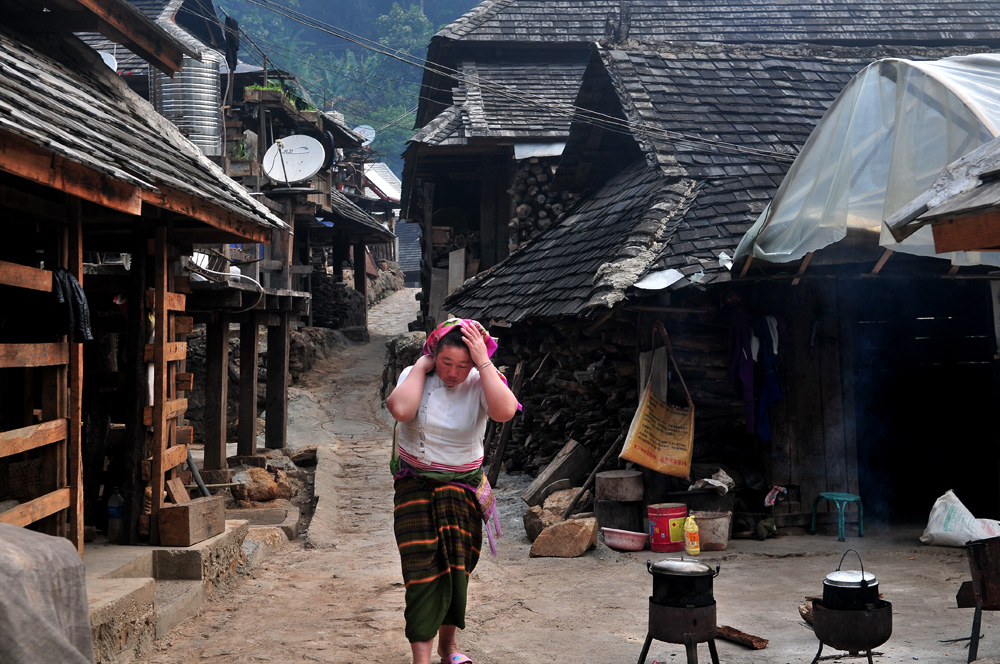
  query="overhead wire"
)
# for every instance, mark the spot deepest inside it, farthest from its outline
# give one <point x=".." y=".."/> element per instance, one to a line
<point x="574" y="113"/>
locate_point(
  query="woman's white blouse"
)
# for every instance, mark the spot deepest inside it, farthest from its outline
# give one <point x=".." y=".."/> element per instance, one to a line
<point x="452" y="421"/>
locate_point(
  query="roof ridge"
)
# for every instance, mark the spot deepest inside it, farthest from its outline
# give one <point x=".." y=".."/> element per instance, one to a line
<point x="473" y="18"/>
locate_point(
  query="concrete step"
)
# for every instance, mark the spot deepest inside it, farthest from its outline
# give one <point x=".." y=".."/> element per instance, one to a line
<point x="176" y="601"/>
<point x="122" y="619"/>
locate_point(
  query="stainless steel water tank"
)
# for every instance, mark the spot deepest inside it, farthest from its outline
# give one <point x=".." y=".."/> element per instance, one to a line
<point x="192" y="100"/>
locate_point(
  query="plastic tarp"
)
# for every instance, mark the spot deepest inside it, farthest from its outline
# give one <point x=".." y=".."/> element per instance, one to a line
<point x="883" y="141"/>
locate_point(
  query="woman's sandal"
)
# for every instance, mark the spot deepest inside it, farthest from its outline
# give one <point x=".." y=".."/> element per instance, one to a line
<point x="456" y="658"/>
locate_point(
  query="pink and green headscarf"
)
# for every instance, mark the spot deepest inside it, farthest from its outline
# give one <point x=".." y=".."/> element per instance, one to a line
<point x="430" y="346"/>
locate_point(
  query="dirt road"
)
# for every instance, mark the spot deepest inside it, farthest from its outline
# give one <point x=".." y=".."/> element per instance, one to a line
<point x="336" y="595"/>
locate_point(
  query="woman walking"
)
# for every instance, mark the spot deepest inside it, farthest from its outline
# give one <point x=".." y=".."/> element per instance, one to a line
<point x="442" y="403"/>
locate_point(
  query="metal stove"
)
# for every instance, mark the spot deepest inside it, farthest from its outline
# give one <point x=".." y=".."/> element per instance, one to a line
<point x="853" y="630"/>
<point x="689" y="625"/>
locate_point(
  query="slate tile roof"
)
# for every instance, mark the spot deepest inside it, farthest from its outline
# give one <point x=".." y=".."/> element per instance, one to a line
<point x="858" y="22"/>
<point x="65" y="100"/>
<point x="508" y="99"/>
<point x="347" y="210"/>
<point x="716" y="147"/>
<point x="554" y="275"/>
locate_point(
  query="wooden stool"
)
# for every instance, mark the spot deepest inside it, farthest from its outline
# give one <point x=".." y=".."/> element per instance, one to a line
<point x="841" y="500"/>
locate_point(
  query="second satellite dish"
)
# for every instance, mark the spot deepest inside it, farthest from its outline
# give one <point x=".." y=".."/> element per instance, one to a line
<point x="294" y="158"/>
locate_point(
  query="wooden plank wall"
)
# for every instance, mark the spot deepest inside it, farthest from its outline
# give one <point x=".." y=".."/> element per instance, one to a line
<point x="814" y="446"/>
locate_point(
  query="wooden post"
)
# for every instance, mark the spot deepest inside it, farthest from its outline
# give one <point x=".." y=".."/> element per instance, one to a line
<point x="427" y="245"/>
<point x="360" y="276"/>
<point x="75" y="414"/>
<point x="216" y="389"/>
<point x="247" y="438"/>
<point x="160" y="395"/>
<point x="276" y="403"/>
<point x="138" y="385"/>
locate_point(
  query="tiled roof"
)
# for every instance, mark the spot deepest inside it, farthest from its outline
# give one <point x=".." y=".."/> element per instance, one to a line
<point x="750" y="108"/>
<point x="348" y="211"/>
<point x="753" y="106"/>
<point x="778" y="21"/>
<point x="508" y="99"/>
<point x="65" y="100"/>
<point x="409" y="247"/>
<point x="560" y="272"/>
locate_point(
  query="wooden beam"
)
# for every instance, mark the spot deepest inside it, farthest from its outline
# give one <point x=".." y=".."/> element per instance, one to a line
<point x="216" y="390"/>
<point x="276" y="401"/>
<point x="74" y="410"/>
<point x="22" y="276"/>
<point x="746" y="266"/>
<point x="183" y="324"/>
<point x="28" y="513"/>
<point x="175" y="301"/>
<point x="23" y="158"/>
<point x="247" y="433"/>
<point x="980" y="232"/>
<point x="172" y="352"/>
<point x="143" y="38"/>
<point x="172" y="409"/>
<point x="184" y="436"/>
<point x="184" y="381"/>
<point x="882" y="261"/>
<point x="953" y="270"/>
<point x="33" y="355"/>
<point x="162" y="410"/>
<point x="174" y="456"/>
<point x="207" y="212"/>
<point x="802" y="268"/>
<point x="31" y="437"/>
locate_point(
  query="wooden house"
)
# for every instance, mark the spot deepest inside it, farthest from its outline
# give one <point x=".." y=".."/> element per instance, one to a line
<point x="497" y="93"/>
<point x="89" y="166"/>
<point x="677" y="148"/>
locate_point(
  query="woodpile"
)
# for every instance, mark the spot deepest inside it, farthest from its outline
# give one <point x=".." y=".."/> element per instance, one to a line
<point x="334" y="304"/>
<point x="582" y="384"/>
<point x="536" y="206"/>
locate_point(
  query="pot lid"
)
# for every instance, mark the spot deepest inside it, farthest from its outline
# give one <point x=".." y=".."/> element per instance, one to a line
<point x="850" y="578"/>
<point x="681" y="567"/>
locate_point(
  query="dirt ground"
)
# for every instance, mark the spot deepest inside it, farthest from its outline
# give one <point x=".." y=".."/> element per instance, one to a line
<point x="336" y="594"/>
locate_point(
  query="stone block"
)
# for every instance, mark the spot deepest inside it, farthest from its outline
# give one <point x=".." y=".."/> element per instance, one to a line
<point x="567" y="539"/>
<point x="537" y="519"/>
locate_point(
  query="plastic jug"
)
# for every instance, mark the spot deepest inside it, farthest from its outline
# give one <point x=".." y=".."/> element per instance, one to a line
<point x="692" y="540"/>
<point x="115" y="504"/>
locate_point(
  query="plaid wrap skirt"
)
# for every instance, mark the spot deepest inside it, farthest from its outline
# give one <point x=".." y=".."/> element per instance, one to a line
<point x="439" y="533"/>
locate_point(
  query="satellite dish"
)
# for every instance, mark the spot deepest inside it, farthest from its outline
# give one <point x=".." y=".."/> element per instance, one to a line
<point x="294" y="159"/>
<point x="366" y="132"/>
<point x="109" y="60"/>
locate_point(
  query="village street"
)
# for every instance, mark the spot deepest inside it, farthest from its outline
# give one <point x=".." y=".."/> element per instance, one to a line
<point x="336" y="595"/>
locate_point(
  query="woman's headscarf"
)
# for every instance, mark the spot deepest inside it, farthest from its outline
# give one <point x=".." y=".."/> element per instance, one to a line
<point x="430" y="346"/>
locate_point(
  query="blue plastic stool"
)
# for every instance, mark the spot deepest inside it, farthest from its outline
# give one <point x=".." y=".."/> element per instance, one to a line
<point x="841" y="500"/>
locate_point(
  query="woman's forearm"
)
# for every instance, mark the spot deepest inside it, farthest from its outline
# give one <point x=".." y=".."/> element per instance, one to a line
<point x="500" y="401"/>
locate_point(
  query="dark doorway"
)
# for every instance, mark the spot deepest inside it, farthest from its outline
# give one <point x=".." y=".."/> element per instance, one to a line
<point x="925" y="399"/>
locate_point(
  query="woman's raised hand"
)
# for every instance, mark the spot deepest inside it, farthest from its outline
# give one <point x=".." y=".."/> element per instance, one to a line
<point x="477" y="346"/>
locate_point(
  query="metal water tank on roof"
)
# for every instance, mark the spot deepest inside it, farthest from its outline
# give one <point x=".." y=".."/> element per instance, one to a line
<point x="192" y="100"/>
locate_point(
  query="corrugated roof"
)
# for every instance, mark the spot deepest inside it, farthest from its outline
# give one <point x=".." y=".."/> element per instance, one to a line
<point x="66" y="101"/>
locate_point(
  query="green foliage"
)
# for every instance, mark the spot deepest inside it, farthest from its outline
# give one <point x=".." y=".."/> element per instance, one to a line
<point x="367" y="86"/>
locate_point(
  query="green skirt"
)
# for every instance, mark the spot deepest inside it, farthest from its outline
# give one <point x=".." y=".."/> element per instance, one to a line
<point x="439" y="533"/>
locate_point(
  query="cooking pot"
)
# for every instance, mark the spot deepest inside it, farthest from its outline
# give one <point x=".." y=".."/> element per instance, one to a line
<point x="850" y="590"/>
<point x="682" y="583"/>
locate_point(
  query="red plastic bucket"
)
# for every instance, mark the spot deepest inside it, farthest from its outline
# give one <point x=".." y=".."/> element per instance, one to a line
<point x="666" y="526"/>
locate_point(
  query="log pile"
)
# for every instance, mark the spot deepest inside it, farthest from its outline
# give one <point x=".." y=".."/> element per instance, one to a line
<point x="334" y="305"/>
<point x="536" y="206"/>
<point x="582" y="383"/>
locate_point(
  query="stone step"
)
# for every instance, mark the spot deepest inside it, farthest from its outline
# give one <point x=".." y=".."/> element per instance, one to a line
<point x="176" y="601"/>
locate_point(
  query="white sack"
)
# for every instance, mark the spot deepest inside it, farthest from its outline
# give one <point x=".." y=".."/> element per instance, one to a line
<point x="952" y="524"/>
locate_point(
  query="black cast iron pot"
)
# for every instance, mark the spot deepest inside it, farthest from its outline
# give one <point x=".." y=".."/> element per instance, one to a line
<point x="850" y="590"/>
<point x="682" y="583"/>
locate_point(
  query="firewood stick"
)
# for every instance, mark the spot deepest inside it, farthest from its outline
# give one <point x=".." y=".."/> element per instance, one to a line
<point x="593" y="475"/>
<point x="736" y="636"/>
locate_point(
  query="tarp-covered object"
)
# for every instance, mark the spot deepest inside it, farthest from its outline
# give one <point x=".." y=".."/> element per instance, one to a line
<point x="882" y="142"/>
<point x="44" y="617"/>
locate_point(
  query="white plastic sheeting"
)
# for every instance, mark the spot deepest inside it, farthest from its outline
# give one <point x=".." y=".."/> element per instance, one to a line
<point x="882" y="142"/>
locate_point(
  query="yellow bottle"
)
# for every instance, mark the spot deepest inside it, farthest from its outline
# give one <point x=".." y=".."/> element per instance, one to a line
<point x="692" y="540"/>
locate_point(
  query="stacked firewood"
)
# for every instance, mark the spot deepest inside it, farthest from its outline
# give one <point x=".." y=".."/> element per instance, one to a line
<point x="577" y="386"/>
<point x="581" y="383"/>
<point x="536" y="204"/>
